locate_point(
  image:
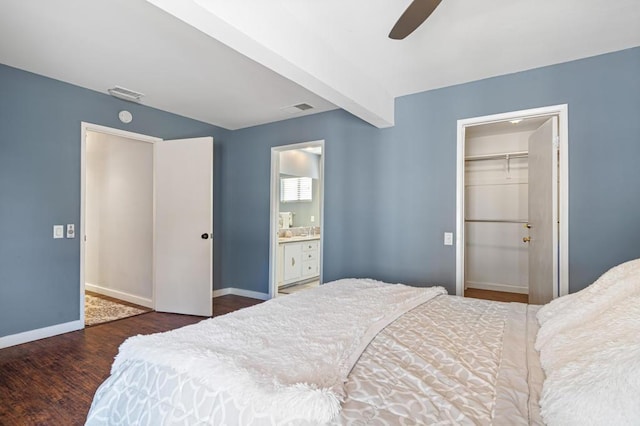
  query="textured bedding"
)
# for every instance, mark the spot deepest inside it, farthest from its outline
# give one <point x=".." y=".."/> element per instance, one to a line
<point x="447" y="361"/>
<point x="589" y="345"/>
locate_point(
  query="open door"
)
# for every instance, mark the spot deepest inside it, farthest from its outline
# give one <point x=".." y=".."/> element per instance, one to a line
<point x="183" y="222"/>
<point x="543" y="213"/>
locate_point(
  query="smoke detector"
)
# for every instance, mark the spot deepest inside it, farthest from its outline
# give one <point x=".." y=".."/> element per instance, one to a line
<point x="294" y="109"/>
<point x="125" y="94"/>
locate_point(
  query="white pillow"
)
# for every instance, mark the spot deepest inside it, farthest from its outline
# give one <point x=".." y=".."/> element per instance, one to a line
<point x="569" y="311"/>
<point x="593" y="370"/>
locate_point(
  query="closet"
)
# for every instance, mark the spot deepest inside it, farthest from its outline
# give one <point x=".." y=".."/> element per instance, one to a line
<point x="496" y="192"/>
<point x="512" y="205"/>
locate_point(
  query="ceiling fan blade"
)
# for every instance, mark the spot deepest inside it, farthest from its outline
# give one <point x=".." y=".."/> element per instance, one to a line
<point x="416" y="14"/>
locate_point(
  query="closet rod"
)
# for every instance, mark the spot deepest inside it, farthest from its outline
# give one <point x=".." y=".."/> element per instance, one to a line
<point x="496" y="221"/>
<point x="505" y="155"/>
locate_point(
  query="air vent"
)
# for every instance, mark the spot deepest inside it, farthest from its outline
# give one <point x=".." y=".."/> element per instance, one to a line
<point x="294" y="109"/>
<point x="125" y="94"/>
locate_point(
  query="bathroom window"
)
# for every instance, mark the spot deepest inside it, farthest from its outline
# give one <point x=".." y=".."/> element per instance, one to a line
<point x="295" y="189"/>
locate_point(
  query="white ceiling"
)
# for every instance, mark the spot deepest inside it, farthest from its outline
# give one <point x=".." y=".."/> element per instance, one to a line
<point x="261" y="55"/>
<point x="99" y="44"/>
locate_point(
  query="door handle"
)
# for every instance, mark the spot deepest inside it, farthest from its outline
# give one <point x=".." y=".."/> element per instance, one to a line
<point x="293" y="261"/>
<point x="526" y="239"/>
<point x="205" y="236"/>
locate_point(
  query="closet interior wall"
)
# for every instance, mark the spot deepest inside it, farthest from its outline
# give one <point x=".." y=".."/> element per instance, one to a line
<point x="496" y="210"/>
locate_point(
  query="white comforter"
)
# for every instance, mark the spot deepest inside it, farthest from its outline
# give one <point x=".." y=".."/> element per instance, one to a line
<point x="448" y="361"/>
<point x="288" y="358"/>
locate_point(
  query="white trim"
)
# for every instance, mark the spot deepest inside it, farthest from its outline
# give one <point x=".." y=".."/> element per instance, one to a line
<point x="562" y="111"/>
<point x="275" y="205"/>
<point x="240" y="292"/>
<point x="563" y="263"/>
<point x="497" y="287"/>
<point x="84" y="128"/>
<point x="127" y="297"/>
<point x="40" y="333"/>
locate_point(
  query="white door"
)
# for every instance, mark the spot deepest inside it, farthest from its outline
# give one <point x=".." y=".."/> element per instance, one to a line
<point x="183" y="223"/>
<point x="543" y="213"/>
<point x="292" y="262"/>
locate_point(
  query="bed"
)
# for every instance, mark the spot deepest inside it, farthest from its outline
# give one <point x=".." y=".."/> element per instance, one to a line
<point x="364" y="352"/>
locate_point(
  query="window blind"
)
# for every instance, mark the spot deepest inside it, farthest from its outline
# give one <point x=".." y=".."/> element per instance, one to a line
<point x="295" y="189"/>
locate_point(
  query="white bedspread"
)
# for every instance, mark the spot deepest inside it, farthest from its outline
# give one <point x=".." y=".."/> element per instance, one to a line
<point x="288" y="358"/>
<point x="448" y="361"/>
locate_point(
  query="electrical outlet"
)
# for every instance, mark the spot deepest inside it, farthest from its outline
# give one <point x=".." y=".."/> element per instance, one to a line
<point x="448" y="238"/>
<point x="71" y="230"/>
<point x="58" y="231"/>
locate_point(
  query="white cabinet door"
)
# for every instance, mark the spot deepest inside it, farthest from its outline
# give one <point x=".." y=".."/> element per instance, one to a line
<point x="183" y="225"/>
<point x="292" y="262"/>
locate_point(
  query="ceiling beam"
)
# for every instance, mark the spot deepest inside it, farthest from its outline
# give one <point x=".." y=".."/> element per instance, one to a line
<point x="300" y="57"/>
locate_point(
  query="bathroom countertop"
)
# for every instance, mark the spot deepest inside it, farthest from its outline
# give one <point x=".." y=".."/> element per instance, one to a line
<point x="298" y="238"/>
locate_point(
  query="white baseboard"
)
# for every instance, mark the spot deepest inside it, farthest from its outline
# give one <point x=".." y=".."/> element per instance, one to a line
<point x="240" y="292"/>
<point x="40" y="333"/>
<point x="497" y="287"/>
<point x="127" y="297"/>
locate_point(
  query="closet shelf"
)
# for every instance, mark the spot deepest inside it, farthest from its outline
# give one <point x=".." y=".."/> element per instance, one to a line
<point x="495" y="221"/>
<point x="500" y="156"/>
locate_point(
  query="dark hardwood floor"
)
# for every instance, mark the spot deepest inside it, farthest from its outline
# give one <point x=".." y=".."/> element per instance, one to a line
<point x="52" y="381"/>
<point x="498" y="296"/>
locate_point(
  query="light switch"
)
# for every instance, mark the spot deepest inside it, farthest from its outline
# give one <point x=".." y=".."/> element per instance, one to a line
<point x="58" y="231"/>
<point x="313" y="219"/>
<point x="71" y="230"/>
<point x="448" y="238"/>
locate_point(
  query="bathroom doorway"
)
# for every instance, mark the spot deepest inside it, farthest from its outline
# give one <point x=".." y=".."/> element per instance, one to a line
<point x="297" y="198"/>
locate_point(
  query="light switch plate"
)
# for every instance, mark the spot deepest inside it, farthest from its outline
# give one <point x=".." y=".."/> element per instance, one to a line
<point x="448" y="238"/>
<point x="71" y="230"/>
<point x="58" y="231"/>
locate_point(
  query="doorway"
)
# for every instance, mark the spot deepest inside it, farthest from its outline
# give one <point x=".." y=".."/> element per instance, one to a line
<point x="146" y="220"/>
<point x="512" y="205"/>
<point x="297" y="199"/>
<point x="118" y="220"/>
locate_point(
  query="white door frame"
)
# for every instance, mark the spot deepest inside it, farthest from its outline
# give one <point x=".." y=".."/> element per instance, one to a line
<point x="562" y="112"/>
<point x="90" y="127"/>
<point x="275" y="205"/>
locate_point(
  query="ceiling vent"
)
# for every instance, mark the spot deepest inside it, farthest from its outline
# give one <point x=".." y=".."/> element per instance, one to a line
<point x="294" y="109"/>
<point x="125" y="94"/>
<point x="303" y="107"/>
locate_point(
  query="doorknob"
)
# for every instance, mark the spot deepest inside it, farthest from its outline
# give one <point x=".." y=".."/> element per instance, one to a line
<point x="526" y="239"/>
<point x="205" y="236"/>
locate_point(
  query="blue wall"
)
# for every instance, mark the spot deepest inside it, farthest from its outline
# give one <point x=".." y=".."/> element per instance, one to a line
<point x="390" y="194"/>
<point x="40" y="186"/>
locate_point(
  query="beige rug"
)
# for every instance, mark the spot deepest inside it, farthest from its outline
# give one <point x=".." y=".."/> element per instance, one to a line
<point x="98" y="310"/>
